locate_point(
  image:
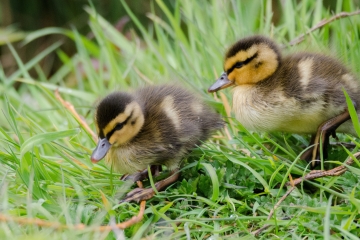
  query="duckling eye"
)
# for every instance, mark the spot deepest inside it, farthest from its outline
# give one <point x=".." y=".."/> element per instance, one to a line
<point x="116" y="128"/>
<point x="238" y="65"/>
<point x="119" y="126"/>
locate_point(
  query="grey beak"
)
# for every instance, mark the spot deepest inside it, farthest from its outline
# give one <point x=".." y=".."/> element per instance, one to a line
<point x="100" y="151"/>
<point x="222" y="82"/>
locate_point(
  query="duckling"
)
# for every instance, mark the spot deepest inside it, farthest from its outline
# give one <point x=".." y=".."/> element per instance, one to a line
<point x="298" y="93"/>
<point x="156" y="125"/>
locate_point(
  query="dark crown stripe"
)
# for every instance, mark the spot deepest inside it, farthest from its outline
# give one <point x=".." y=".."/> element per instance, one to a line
<point x="111" y="106"/>
<point x="246" y="43"/>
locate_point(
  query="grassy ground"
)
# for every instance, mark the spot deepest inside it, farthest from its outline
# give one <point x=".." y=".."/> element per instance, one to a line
<point x="228" y="186"/>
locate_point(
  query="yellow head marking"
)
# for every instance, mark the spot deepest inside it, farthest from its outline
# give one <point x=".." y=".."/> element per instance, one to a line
<point x="240" y="57"/>
<point x="252" y="65"/>
<point x="126" y="125"/>
<point x="120" y="118"/>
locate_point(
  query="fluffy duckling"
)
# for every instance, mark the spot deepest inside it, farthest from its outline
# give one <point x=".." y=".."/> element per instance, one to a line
<point x="298" y="93"/>
<point x="156" y="125"/>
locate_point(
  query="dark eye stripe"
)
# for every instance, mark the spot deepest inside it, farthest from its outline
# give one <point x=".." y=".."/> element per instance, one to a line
<point x="117" y="126"/>
<point x="243" y="63"/>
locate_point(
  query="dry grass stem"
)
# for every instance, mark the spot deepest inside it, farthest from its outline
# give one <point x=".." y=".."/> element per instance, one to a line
<point x="72" y="110"/>
<point x="322" y="23"/>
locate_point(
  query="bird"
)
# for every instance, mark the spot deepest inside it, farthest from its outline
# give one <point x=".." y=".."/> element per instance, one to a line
<point x="296" y="93"/>
<point x="153" y="126"/>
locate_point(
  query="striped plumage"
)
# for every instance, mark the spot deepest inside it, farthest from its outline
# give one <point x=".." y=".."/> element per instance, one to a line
<point x="175" y="121"/>
<point x="155" y="125"/>
<point x="297" y="93"/>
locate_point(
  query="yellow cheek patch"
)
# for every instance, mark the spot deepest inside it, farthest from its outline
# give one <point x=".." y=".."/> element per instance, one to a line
<point x="121" y="136"/>
<point x="240" y="57"/>
<point x="232" y="76"/>
<point x="115" y="136"/>
<point x="244" y="76"/>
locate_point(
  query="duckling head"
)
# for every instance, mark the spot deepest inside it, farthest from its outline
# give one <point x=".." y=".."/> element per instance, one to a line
<point x="119" y="118"/>
<point x="248" y="61"/>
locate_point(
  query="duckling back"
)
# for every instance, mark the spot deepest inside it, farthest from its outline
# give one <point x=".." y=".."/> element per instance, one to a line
<point x="180" y="112"/>
<point x="175" y="121"/>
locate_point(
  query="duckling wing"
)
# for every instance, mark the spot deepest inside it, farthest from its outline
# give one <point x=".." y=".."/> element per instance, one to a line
<point x="176" y="120"/>
<point x="316" y="83"/>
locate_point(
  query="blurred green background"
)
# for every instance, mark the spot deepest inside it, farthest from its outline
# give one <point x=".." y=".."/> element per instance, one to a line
<point x="19" y="16"/>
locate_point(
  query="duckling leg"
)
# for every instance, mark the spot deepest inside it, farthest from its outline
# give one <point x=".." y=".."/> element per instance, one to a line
<point x="308" y="153"/>
<point x="155" y="171"/>
<point x="140" y="194"/>
<point x="322" y="136"/>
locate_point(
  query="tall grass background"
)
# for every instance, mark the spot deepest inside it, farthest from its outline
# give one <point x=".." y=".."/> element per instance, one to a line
<point x="228" y="186"/>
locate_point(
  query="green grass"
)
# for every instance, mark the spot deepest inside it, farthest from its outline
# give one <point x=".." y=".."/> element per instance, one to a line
<point x="227" y="187"/>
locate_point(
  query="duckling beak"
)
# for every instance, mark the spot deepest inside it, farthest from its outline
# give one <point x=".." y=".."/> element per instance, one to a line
<point x="222" y="82"/>
<point x="100" y="151"/>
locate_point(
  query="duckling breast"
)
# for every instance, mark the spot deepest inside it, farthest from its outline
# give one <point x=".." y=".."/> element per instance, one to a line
<point x="267" y="112"/>
<point x="275" y="111"/>
<point x="126" y="160"/>
<point x="139" y="154"/>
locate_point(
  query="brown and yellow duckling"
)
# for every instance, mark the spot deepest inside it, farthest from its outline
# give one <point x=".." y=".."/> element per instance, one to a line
<point x="156" y="125"/>
<point x="297" y="93"/>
